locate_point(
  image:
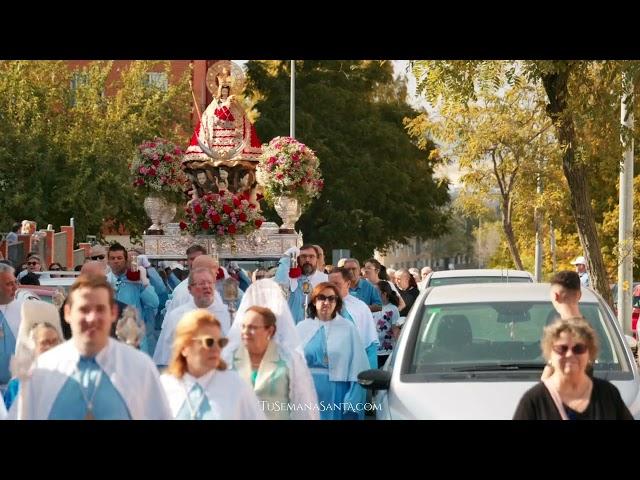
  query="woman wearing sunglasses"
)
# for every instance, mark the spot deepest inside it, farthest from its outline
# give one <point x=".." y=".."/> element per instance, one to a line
<point x="262" y="349"/>
<point x="335" y="355"/>
<point x="569" y="393"/>
<point x="197" y="382"/>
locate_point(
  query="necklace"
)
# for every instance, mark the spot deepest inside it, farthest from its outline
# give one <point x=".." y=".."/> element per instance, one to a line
<point x="194" y="411"/>
<point x="89" y="402"/>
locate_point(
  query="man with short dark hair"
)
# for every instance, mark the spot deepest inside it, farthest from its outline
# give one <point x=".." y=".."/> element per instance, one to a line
<point x="93" y="376"/>
<point x="565" y="294"/>
<point x="298" y="283"/>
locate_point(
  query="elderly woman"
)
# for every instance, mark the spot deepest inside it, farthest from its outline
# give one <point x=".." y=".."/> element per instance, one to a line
<point x="197" y="383"/>
<point x="570" y="346"/>
<point x="262" y="348"/>
<point x="335" y="354"/>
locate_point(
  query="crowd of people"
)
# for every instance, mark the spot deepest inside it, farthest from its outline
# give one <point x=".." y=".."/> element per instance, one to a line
<point x="288" y="345"/>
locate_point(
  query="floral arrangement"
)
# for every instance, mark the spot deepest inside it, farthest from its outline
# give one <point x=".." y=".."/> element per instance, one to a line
<point x="156" y="169"/>
<point x="221" y="214"/>
<point x="289" y="168"/>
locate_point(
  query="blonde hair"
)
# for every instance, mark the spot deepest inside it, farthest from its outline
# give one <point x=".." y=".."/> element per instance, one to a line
<point x="186" y="330"/>
<point x="578" y="328"/>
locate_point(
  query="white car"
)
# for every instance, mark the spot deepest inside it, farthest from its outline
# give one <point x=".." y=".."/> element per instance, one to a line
<point x="478" y="275"/>
<point x="472" y="353"/>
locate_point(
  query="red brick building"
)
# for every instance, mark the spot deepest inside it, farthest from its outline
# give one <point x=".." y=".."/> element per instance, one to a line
<point x="178" y="67"/>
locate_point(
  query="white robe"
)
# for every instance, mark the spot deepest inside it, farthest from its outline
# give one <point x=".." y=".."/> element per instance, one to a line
<point x="363" y="318"/>
<point x="131" y="372"/>
<point x="229" y="397"/>
<point x="182" y="296"/>
<point x="13" y="315"/>
<point x="162" y="354"/>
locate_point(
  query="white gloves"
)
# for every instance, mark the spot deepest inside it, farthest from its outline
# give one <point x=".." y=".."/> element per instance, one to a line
<point x="291" y="250"/>
<point x="143" y="261"/>
<point x="143" y="277"/>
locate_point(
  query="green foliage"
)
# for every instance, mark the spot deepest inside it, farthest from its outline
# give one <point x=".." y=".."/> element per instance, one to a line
<point x="64" y="150"/>
<point x="379" y="186"/>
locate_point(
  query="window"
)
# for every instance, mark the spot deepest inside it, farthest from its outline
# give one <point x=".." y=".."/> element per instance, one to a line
<point x="77" y="79"/>
<point x="157" y="80"/>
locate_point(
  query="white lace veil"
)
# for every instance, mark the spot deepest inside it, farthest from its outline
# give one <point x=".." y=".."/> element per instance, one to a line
<point x="266" y="293"/>
<point x="33" y="312"/>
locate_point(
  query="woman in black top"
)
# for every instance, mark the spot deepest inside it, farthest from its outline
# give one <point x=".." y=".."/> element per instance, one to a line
<point x="570" y="346"/>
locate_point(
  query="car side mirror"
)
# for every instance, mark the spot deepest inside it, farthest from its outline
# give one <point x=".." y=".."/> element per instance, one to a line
<point x="375" y="379"/>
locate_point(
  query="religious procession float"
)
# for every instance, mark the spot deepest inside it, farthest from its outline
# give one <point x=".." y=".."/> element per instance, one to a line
<point x="226" y="171"/>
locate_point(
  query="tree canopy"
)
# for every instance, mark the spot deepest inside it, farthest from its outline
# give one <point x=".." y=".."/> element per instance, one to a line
<point x="379" y="184"/>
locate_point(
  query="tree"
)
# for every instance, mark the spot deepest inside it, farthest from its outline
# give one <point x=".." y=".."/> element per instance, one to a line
<point x="571" y="89"/>
<point x="67" y="137"/>
<point x="498" y="139"/>
<point x="379" y="186"/>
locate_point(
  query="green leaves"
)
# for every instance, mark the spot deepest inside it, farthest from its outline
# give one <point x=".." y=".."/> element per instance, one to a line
<point x="62" y="158"/>
<point x="379" y="185"/>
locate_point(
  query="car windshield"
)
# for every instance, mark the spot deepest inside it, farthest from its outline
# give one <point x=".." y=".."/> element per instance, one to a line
<point x="498" y="336"/>
<point x="438" y="282"/>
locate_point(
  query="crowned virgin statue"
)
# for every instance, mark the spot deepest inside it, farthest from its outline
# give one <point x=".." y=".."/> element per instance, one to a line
<point x="224" y="150"/>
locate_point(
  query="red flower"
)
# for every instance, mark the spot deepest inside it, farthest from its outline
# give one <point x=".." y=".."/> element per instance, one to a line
<point x="215" y="218"/>
<point x="197" y="208"/>
<point x="231" y="229"/>
<point x="156" y="162"/>
<point x="243" y="217"/>
<point x="220" y="274"/>
<point x="252" y="205"/>
<point x="227" y="209"/>
<point x="205" y="225"/>
<point x="183" y="226"/>
<point x="295" y="272"/>
<point x="257" y="223"/>
<point x="221" y="192"/>
<point x="236" y="201"/>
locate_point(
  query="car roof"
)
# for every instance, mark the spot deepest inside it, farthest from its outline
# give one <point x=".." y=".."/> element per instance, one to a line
<point x="481" y="272"/>
<point x="487" y="292"/>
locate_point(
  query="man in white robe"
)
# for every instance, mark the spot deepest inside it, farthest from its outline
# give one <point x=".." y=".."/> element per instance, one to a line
<point x="202" y="295"/>
<point x="9" y="319"/>
<point x="358" y="312"/>
<point x="299" y="288"/>
<point x="92" y="376"/>
<point x="181" y="294"/>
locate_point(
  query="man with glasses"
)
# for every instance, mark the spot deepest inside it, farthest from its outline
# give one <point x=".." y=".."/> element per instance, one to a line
<point x="34" y="264"/>
<point x="98" y="253"/>
<point x="299" y="282"/>
<point x="92" y="376"/>
<point x="362" y="288"/>
<point x="202" y="287"/>
<point x="9" y="319"/>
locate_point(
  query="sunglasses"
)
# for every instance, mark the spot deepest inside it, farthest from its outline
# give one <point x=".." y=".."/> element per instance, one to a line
<point x="210" y="342"/>
<point x="97" y="257"/>
<point x="54" y="269"/>
<point x="33" y="263"/>
<point x="330" y="298"/>
<point x="577" y="349"/>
